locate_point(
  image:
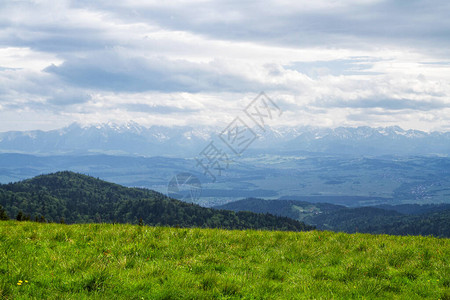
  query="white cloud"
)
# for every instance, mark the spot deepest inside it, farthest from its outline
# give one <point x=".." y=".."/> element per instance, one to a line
<point x="25" y="58"/>
<point x="327" y="63"/>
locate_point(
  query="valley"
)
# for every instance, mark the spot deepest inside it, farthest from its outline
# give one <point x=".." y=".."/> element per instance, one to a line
<point x="340" y="180"/>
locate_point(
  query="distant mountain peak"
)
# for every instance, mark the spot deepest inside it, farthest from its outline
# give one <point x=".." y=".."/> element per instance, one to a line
<point x="187" y="141"/>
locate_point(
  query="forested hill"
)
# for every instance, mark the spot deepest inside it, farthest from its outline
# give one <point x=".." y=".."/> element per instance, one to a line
<point x="289" y="208"/>
<point x="405" y="219"/>
<point x="77" y="198"/>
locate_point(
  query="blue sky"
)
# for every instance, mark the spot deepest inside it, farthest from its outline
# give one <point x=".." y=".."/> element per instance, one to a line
<point x="325" y="63"/>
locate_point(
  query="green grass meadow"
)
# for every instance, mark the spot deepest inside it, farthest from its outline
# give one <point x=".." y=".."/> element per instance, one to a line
<point x="105" y="261"/>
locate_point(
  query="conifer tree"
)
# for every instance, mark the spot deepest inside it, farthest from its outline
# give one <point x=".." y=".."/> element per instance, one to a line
<point x="19" y="216"/>
<point x="3" y="214"/>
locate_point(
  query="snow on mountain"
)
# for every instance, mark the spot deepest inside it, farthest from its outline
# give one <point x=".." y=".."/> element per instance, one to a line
<point x="134" y="139"/>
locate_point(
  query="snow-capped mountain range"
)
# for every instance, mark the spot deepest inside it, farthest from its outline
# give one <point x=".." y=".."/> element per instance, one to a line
<point x="134" y="139"/>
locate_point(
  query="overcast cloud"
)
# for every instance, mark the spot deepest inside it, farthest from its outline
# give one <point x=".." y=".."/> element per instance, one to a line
<point x="326" y="63"/>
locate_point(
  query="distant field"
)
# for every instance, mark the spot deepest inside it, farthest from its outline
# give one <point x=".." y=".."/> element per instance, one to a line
<point x="104" y="261"/>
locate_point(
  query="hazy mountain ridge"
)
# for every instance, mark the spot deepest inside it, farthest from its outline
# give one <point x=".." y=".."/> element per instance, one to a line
<point x="131" y="139"/>
<point x="184" y="141"/>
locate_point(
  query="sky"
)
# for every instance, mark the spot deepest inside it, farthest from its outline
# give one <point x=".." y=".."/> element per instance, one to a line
<point x="200" y="63"/>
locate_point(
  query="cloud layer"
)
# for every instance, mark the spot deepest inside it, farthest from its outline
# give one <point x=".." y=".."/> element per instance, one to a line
<point x="326" y="63"/>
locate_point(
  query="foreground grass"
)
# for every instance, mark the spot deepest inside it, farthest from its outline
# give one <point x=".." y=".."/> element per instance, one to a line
<point x="104" y="261"/>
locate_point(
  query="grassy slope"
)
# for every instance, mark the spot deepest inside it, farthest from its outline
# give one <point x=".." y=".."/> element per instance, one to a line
<point x="103" y="260"/>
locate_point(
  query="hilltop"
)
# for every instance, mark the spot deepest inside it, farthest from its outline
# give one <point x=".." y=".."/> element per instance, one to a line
<point x="77" y="198"/>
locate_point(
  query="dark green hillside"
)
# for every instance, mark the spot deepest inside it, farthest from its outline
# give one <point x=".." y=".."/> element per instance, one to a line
<point x="406" y="219"/>
<point x="373" y="220"/>
<point x="77" y="198"/>
<point x="355" y="219"/>
<point x="416" y="209"/>
<point x="289" y="208"/>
